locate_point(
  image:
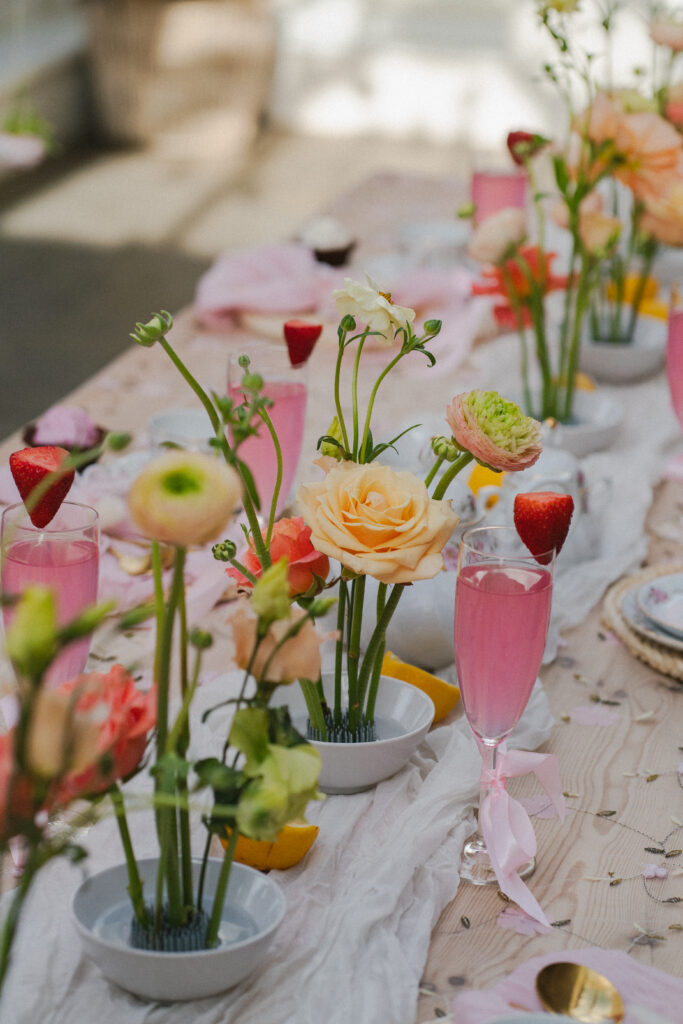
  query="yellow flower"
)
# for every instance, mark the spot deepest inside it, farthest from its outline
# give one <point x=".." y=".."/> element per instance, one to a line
<point x="184" y="498"/>
<point x="372" y="306"/>
<point x="378" y="522"/>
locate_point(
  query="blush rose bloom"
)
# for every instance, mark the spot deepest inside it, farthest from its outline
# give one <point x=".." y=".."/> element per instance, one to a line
<point x="291" y="539"/>
<point x="378" y="522"/>
<point x="667" y="32"/>
<point x="663" y="217"/>
<point x="126" y="717"/>
<point x="494" y="430"/>
<point x="298" y="658"/>
<point x="496" y="235"/>
<point x="372" y="306"/>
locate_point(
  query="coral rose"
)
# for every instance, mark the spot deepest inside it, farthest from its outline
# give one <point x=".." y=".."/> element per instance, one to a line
<point x="291" y="539"/>
<point x="184" y="498"/>
<point x="494" y="430"/>
<point x="297" y="658"/>
<point x="126" y="717"/>
<point x="496" y="235"/>
<point x="378" y="522"/>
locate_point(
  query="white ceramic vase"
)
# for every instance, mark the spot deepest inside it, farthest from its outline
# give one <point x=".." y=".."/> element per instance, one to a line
<point x="102" y="913"/>
<point x="626" y="362"/>
<point x="403" y="715"/>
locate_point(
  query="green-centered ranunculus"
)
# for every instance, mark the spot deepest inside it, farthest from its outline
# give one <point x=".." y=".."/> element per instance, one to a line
<point x="494" y="430"/>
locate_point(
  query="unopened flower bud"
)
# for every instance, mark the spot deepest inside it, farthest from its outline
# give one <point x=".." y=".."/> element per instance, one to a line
<point x="445" y="448"/>
<point x="270" y="596"/>
<point x="347" y="323"/>
<point x="328" y="447"/>
<point x="117" y="442"/>
<point x="200" y="639"/>
<point x="148" y="334"/>
<point x="31" y="639"/>
<point x="224" y="551"/>
<point x="432" y="327"/>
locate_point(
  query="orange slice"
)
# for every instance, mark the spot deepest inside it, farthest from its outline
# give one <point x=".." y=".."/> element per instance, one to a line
<point x="444" y="696"/>
<point x="630" y="285"/>
<point x="292" y="844"/>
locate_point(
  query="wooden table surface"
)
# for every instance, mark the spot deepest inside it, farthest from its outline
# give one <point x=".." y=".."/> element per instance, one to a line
<point x="628" y="767"/>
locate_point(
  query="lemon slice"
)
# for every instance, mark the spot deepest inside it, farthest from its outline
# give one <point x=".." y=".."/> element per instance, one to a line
<point x="292" y="844"/>
<point x="630" y="285"/>
<point x="482" y="476"/>
<point x="444" y="696"/>
<point x="655" y="308"/>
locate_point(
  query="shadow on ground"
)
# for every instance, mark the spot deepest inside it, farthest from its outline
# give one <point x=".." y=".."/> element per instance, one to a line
<point x="67" y="310"/>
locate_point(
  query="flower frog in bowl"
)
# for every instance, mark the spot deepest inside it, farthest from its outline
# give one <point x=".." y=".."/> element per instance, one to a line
<point x="385" y="526"/>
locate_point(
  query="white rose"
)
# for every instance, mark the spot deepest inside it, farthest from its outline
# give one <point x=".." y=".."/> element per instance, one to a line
<point x="373" y="307"/>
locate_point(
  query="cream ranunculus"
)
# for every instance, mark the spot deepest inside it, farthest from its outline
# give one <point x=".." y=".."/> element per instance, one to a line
<point x="184" y="498"/>
<point x="493" y="238"/>
<point x="372" y="306"/>
<point x="378" y="522"/>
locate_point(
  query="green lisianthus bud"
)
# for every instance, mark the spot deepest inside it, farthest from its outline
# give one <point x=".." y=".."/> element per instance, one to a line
<point x="321" y="606"/>
<point x="201" y="639"/>
<point x="432" y="327"/>
<point x="347" y="323"/>
<point x="117" y="442"/>
<point x="224" y="551"/>
<point x="270" y="596"/>
<point x="445" y="448"/>
<point x="467" y="211"/>
<point x="31" y="639"/>
<point x="328" y="447"/>
<point x="156" y="327"/>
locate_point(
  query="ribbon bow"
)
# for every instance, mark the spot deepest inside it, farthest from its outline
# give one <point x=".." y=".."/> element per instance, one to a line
<point x="505" y="824"/>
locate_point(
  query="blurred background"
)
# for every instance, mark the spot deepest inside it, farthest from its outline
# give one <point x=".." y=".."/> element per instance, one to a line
<point x="186" y="127"/>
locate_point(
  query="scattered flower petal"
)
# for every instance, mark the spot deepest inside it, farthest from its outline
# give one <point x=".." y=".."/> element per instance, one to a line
<point x="655" y="871"/>
<point x="594" y="714"/>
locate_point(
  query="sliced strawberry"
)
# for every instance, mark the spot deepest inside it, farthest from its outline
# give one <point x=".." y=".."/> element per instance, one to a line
<point x="301" y="338"/>
<point x="542" y="520"/>
<point x="31" y="465"/>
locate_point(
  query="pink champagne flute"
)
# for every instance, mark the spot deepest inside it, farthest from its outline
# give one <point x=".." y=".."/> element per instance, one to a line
<point x="64" y="555"/>
<point x="674" y="351"/>
<point x="494" y="190"/>
<point x="502" y="609"/>
<point x="285" y="385"/>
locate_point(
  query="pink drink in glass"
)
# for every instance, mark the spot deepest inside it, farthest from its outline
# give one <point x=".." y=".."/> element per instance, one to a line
<point x="496" y="190"/>
<point x="501" y="621"/>
<point x="62" y="558"/>
<point x="674" y="360"/>
<point x="288" y="414"/>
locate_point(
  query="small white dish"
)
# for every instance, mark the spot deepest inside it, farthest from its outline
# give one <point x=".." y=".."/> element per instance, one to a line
<point x="661" y="601"/>
<point x="183" y="428"/>
<point x="642" y="625"/>
<point x="254" y="909"/>
<point x="403" y="715"/>
<point x="596" y="421"/>
<point x="626" y="362"/>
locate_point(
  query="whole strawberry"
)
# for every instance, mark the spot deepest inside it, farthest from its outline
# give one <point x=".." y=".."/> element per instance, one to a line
<point x="29" y="468"/>
<point x="301" y="338"/>
<point x="542" y="520"/>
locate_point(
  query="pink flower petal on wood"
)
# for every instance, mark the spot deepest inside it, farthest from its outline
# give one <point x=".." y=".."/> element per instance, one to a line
<point x="593" y="714"/>
<point x="655" y="871"/>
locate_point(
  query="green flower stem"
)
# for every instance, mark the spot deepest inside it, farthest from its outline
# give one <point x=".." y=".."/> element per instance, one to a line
<point x="164" y="669"/>
<point x="566" y="316"/>
<point x="517" y="309"/>
<point x="353" y="654"/>
<point x="135" y="889"/>
<point x="339" y="651"/>
<point x="434" y="470"/>
<point x="221" y="890"/>
<point x="11" y="919"/>
<point x="582" y="300"/>
<point x="182" y="742"/>
<point x="375" y="651"/>
<point x="337" y="399"/>
<point x="366" y="428"/>
<point x="450" y="474"/>
<point x="650" y="253"/>
<point x="538" y="316"/>
<point x="377" y="666"/>
<point x="202" y="870"/>
<point x="278" y="479"/>
<point x="194" y="384"/>
<point x="354" y="394"/>
<point x="315" y="711"/>
<point x="158" y="603"/>
<point x="236" y="564"/>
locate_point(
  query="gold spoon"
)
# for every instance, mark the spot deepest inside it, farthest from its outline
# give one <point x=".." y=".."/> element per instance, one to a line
<point x="580" y="993"/>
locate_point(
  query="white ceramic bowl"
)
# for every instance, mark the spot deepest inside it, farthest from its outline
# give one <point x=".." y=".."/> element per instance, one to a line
<point x="626" y="363"/>
<point x="185" y="428"/>
<point x="253" y="911"/>
<point x="403" y="715"/>
<point x="597" y="418"/>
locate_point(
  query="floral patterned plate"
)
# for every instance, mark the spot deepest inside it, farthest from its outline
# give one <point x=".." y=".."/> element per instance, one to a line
<point x="642" y="625"/>
<point x="661" y="601"/>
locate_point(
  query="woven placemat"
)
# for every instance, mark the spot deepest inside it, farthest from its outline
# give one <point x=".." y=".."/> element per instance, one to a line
<point x="658" y="656"/>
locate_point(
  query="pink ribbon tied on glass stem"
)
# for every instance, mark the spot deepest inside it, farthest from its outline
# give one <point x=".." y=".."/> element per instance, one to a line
<point x="505" y="825"/>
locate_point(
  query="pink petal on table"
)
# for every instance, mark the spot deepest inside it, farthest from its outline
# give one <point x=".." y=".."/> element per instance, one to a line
<point x="515" y="920"/>
<point x="593" y="714"/>
<point x="612" y="638"/>
<point x="655" y="871"/>
<point x="21" y="150"/>
<point x="539" y="805"/>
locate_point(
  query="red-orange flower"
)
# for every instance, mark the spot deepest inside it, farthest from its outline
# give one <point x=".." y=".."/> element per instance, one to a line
<point x="514" y="283"/>
<point x="291" y="539"/>
<point x="128" y="715"/>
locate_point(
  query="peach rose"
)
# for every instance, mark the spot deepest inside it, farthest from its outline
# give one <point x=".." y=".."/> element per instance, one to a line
<point x="667" y="32"/>
<point x="297" y="658"/>
<point x="125" y="717"/>
<point x="291" y="539"/>
<point x="598" y="232"/>
<point x="492" y="239"/>
<point x="663" y="218"/>
<point x="378" y="522"/>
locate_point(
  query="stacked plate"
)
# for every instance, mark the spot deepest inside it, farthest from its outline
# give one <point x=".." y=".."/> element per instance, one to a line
<point x="655" y="610"/>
